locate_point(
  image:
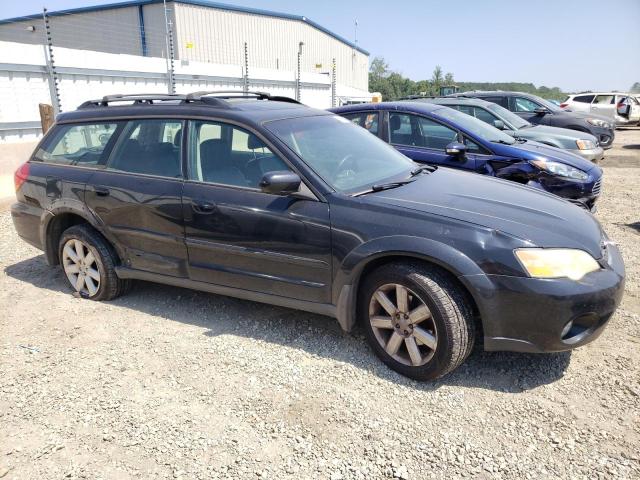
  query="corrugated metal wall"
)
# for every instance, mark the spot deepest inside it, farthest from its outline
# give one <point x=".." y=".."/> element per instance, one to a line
<point x="202" y="34"/>
<point x="218" y="36"/>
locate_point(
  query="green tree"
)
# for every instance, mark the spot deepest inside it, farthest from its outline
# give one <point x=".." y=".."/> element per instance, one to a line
<point x="635" y="88"/>
<point x="448" y="79"/>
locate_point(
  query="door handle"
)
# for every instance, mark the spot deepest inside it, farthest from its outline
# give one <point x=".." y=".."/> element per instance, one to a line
<point x="102" y="191"/>
<point x="203" y="207"/>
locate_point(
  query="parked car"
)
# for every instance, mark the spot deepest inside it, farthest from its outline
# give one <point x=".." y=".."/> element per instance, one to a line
<point x="262" y="198"/>
<point x="542" y="112"/>
<point x="439" y="135"/>
<point x="579" y="143"/>
<point x="622" y="108"/>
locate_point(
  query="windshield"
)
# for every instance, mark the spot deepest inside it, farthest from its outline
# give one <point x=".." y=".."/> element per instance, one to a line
<point x="346" y="156"/>
<point x="509" y="117"/>
<point x="475" y="126"/>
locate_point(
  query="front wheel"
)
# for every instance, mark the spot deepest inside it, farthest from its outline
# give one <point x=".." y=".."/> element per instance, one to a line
<point x="416" y="319"/>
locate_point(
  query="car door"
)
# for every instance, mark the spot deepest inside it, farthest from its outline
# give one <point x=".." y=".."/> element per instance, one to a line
<point x="240" y="237"/>
<point x="604" y="105"/>
<point x="137" y="196"/>
<point x="424" y="140"/>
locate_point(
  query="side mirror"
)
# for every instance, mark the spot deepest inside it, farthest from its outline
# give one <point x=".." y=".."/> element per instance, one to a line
<point x="456" y="149"/>
<point x="541" y="111"/>
<point x="499" y="124"/>
<point x="280" y="183"/>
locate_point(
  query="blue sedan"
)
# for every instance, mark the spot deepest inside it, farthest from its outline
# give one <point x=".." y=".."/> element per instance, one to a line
<point x="439" y="135"/>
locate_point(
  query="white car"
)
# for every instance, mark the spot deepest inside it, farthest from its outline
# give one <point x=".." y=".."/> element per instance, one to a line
<point x="623" y="108"/>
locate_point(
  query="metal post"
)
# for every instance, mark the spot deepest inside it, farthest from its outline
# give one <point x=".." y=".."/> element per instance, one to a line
<point x="333" y="82"/>
<point x="298" y="82"/>
<point x="246" y="69"/>
<point x="172" y="78"/>
<point x="54" y="91"/>
<point x="168" y="41"/>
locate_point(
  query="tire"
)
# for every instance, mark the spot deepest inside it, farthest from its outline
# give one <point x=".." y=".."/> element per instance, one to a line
<point x="106" y="284"/>
<point x="449" y="326"/>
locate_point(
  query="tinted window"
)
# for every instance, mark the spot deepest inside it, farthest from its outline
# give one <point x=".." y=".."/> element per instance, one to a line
<point x="229" y="155"/>
<point x="464" y="109"/>
<point x="603" y="100"/>
<point x="583" y="98"/>
<point x="524" y="105"/>
<point x="77" y="144"/>
<point x="499" y="100"/>
<point x="509" y="117"/>
<point x="150" y="147"/>
<point x="474" y="126"/>
<point x="345" y="156"/>
<point x="367" y="120"/>
<point x="473" y="147"/>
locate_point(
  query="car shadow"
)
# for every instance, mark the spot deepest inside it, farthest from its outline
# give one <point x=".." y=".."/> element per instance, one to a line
<point x="315" y="334"/>
<point x="631" y="147"/>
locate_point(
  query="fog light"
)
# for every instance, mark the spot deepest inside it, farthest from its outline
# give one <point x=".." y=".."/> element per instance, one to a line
<point x="566" y="329"/>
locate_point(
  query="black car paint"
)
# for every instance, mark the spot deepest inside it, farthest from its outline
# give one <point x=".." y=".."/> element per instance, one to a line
<point x="556" y="118"/>
<point x="311" y="254"/>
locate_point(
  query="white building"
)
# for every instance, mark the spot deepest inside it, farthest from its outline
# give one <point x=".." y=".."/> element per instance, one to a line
<point x="203" y="31"/>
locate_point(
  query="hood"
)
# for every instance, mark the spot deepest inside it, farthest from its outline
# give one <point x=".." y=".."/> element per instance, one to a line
<point x="535" y="150"/>
<point x="540" y="131"/>
<point x="524" y="212"/>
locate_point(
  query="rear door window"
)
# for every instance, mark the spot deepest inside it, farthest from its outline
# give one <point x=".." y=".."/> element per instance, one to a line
<point x="604" y="99"/>
<point x="584" y="98"/>
<point x="82" y="145"/>
<point x="502" y="101"/>
<point x="149" y="147"/>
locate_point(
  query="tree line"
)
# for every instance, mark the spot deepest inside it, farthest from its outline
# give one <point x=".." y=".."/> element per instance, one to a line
<point x="394" y="86"/>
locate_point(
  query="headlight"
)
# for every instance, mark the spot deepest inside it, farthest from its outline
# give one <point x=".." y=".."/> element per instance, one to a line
<point x="598" y="123"/>
<point x="585" y="144"/>
<point x="556" y="262"/>
<point x="560" y="169"/>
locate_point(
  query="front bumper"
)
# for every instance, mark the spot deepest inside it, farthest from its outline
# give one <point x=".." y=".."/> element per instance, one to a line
<point x="525" y="314"/>
<point x="593" y="155"/>
<point x="605" y="136"/>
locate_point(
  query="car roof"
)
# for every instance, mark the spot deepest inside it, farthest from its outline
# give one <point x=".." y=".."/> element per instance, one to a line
<point x="472" y="102"/>
<point x="249" y="109"/>
<point x="417" y="106"/>
<point x="622" y="94"/>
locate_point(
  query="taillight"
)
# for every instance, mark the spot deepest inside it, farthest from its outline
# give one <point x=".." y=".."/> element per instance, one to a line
<point x="562" y="105"/>
<point x="21" y="175"/>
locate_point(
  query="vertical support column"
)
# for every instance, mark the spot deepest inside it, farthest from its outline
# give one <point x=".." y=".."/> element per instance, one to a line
<point x="172" y="78"/>
<point x="333" y="83"/>
<point x="54" y="90"/>
<point x="246" y="68"/>
<point x="298" y="81"/>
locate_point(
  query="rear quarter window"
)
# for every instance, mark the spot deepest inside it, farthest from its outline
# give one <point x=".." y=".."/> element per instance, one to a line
<point x="81" y="145"/>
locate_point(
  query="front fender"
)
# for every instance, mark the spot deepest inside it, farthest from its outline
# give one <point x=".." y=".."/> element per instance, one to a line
<point x="345" y="288"/>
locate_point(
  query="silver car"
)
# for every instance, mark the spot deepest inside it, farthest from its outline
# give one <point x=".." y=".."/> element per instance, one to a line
<point x="580" y="143"/>
<point x="623" y="108"/>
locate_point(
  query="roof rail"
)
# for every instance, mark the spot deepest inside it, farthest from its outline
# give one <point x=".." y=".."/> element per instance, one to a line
<point x="209" y="96"/>
<point x="148" y="98"/>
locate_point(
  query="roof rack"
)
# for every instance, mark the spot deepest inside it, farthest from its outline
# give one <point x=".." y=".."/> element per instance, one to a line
<point x="216" y="98"/>
<point x="208" y="95"/>
<point x="139" y="98"/>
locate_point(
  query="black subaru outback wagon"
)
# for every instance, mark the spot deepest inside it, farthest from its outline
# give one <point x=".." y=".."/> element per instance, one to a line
<point x="265" y="199"/>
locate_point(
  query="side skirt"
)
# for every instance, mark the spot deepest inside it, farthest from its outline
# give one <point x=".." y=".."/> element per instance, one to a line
<point x="319" y="308"/>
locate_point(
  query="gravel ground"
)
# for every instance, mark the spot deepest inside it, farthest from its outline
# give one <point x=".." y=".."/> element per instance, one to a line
<point x="171" y="383"/>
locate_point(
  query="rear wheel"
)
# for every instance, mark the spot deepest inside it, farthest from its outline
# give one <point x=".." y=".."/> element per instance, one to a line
<point x="416" y="319"/>
<point x="89" y="264"/>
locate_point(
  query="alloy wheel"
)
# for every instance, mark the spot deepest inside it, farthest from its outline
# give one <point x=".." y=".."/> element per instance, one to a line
<point x="81" y="267"/>
<point x="403" y="325"/>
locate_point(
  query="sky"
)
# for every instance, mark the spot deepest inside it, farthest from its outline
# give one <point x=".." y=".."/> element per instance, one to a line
<point x="572" y="44"/>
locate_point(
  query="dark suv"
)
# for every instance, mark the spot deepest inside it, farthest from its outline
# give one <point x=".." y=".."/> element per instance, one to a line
<point x="262" y="198"/>
<point x="539" y="111"/>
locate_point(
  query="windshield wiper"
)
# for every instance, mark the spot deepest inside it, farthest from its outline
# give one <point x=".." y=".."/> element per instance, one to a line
<point x="423" y="168"/>
<point x="384" y="186"/>
<point x="501" y="141"/>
